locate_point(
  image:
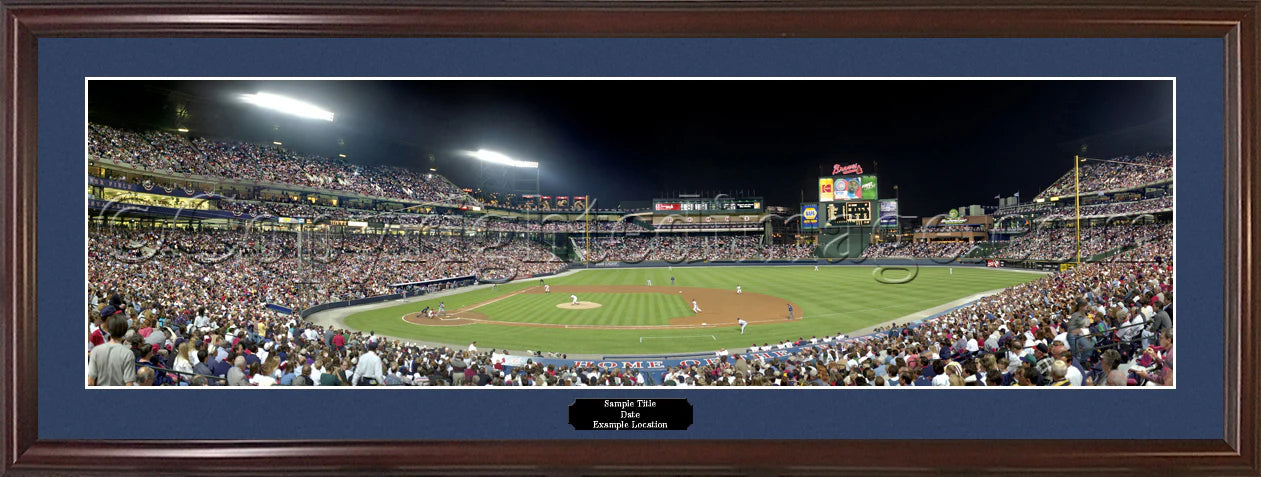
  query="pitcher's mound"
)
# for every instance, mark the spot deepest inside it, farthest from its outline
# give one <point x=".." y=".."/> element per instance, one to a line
<point x="582" y="305"/>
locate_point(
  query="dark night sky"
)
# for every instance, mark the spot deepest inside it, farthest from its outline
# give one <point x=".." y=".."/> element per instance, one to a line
<point x="945" y="143"/>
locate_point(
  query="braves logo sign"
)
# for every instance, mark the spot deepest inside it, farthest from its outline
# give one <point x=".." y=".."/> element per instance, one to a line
<point x="850" y="169"/>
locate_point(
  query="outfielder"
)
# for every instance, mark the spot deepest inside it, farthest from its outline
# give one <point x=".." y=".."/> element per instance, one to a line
<point x="742" y="324"/>
<point x="649" y="282"/>
<point x="695" y="307"/>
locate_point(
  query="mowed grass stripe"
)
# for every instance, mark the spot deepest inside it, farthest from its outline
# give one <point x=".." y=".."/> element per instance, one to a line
<point x="836" y="299"/>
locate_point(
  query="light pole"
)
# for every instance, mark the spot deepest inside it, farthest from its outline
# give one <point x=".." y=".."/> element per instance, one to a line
<point x="537" y="196"/>
<point x="1077" y="202"/>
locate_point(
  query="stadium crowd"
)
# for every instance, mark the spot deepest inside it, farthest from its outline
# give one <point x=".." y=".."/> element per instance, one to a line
<point x="1149" y="206"/>
<point x="917" y="249"/>
<point x="239" y="269"/>
<point x="482" y="222"/>
<point x="1060" y="243"/>
<point x="1099" y="176"/>
<point x="676" y="248"/>
<point x="173" y="153"/>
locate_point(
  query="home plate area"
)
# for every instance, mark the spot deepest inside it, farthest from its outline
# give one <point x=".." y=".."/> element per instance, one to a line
<point x="582" y="305"/>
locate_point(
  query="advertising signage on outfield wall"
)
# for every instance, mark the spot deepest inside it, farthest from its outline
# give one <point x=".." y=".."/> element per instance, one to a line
<point x="843" y="188"/>
<point x="809" y="216"/>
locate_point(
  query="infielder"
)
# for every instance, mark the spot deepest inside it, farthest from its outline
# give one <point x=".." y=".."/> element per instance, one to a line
<point x="739" y="291"/>
<point x="790" y="311"/>
<point x="574" y="298"/>
<point x="547" y="288"/>
<point x="695" y="307"/>
<point x="742" y="324"/>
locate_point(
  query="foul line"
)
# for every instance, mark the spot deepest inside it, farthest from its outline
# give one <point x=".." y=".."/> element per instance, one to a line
<point x="641" y="338"/>
<point x="404" y="318"/>
<point x="510" y="295"/>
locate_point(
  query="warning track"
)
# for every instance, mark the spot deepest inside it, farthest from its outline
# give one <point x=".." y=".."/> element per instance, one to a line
<point x="720" y="308"/>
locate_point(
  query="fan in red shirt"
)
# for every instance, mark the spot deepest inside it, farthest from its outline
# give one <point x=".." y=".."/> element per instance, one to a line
<point x="98" y="337"/>
<point x="339" y="341"/>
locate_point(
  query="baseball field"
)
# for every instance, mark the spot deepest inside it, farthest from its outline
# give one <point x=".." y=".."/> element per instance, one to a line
<point x="618" y="312"/>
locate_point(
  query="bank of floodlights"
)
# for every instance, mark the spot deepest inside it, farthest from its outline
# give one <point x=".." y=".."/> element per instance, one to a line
<point x="287" y="105"/>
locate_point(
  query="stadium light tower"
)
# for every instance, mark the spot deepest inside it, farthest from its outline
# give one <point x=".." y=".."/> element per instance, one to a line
<point x="500" y="158"/>
<point x="288" y="105"/>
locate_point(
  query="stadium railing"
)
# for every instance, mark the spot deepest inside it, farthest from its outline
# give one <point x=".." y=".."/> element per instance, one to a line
<point x="182" y="373"/>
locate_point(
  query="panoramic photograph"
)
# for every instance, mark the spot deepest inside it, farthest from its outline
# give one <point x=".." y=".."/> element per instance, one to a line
<point x="594" y="232"/>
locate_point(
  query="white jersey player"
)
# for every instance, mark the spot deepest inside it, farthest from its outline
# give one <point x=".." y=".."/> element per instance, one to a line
<point x="739" y="291"/>
<point x="742" y="324"/>
<point x="547" y="288"/>
<point x="695" y="308"/>
<point x="574" y="298"/>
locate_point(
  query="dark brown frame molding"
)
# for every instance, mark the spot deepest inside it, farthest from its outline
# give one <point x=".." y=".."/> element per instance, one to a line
<point x="1234" y="21"/>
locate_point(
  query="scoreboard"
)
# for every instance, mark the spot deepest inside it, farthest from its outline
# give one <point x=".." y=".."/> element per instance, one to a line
<point x="707" y="206"/>
<point x="857" y="212"/>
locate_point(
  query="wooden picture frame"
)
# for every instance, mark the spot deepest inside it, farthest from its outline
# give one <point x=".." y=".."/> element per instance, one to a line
<point x="1235" y="22"/>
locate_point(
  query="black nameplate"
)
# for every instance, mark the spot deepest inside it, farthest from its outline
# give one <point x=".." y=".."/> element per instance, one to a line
<point x="623" y="414"/>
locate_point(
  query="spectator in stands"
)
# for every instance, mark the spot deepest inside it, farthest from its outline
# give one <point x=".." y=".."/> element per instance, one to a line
<point x="1059" y="372"/>
<point x="237" y="373"/>
<point x="369" y="371"/>
<point x="1163" y="376"/>
<point x="145" y="376"/>
<point x="112" y="363"/>
<point x="183" y="362"/>
<point x="1110" y="361"/>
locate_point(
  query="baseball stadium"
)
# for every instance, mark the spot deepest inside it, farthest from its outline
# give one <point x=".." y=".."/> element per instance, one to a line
<point x="514" y="233"/>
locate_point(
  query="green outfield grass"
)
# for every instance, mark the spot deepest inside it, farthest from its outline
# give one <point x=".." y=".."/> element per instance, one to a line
<point x="835" y="299"/>
<point x="637" y="309"/>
